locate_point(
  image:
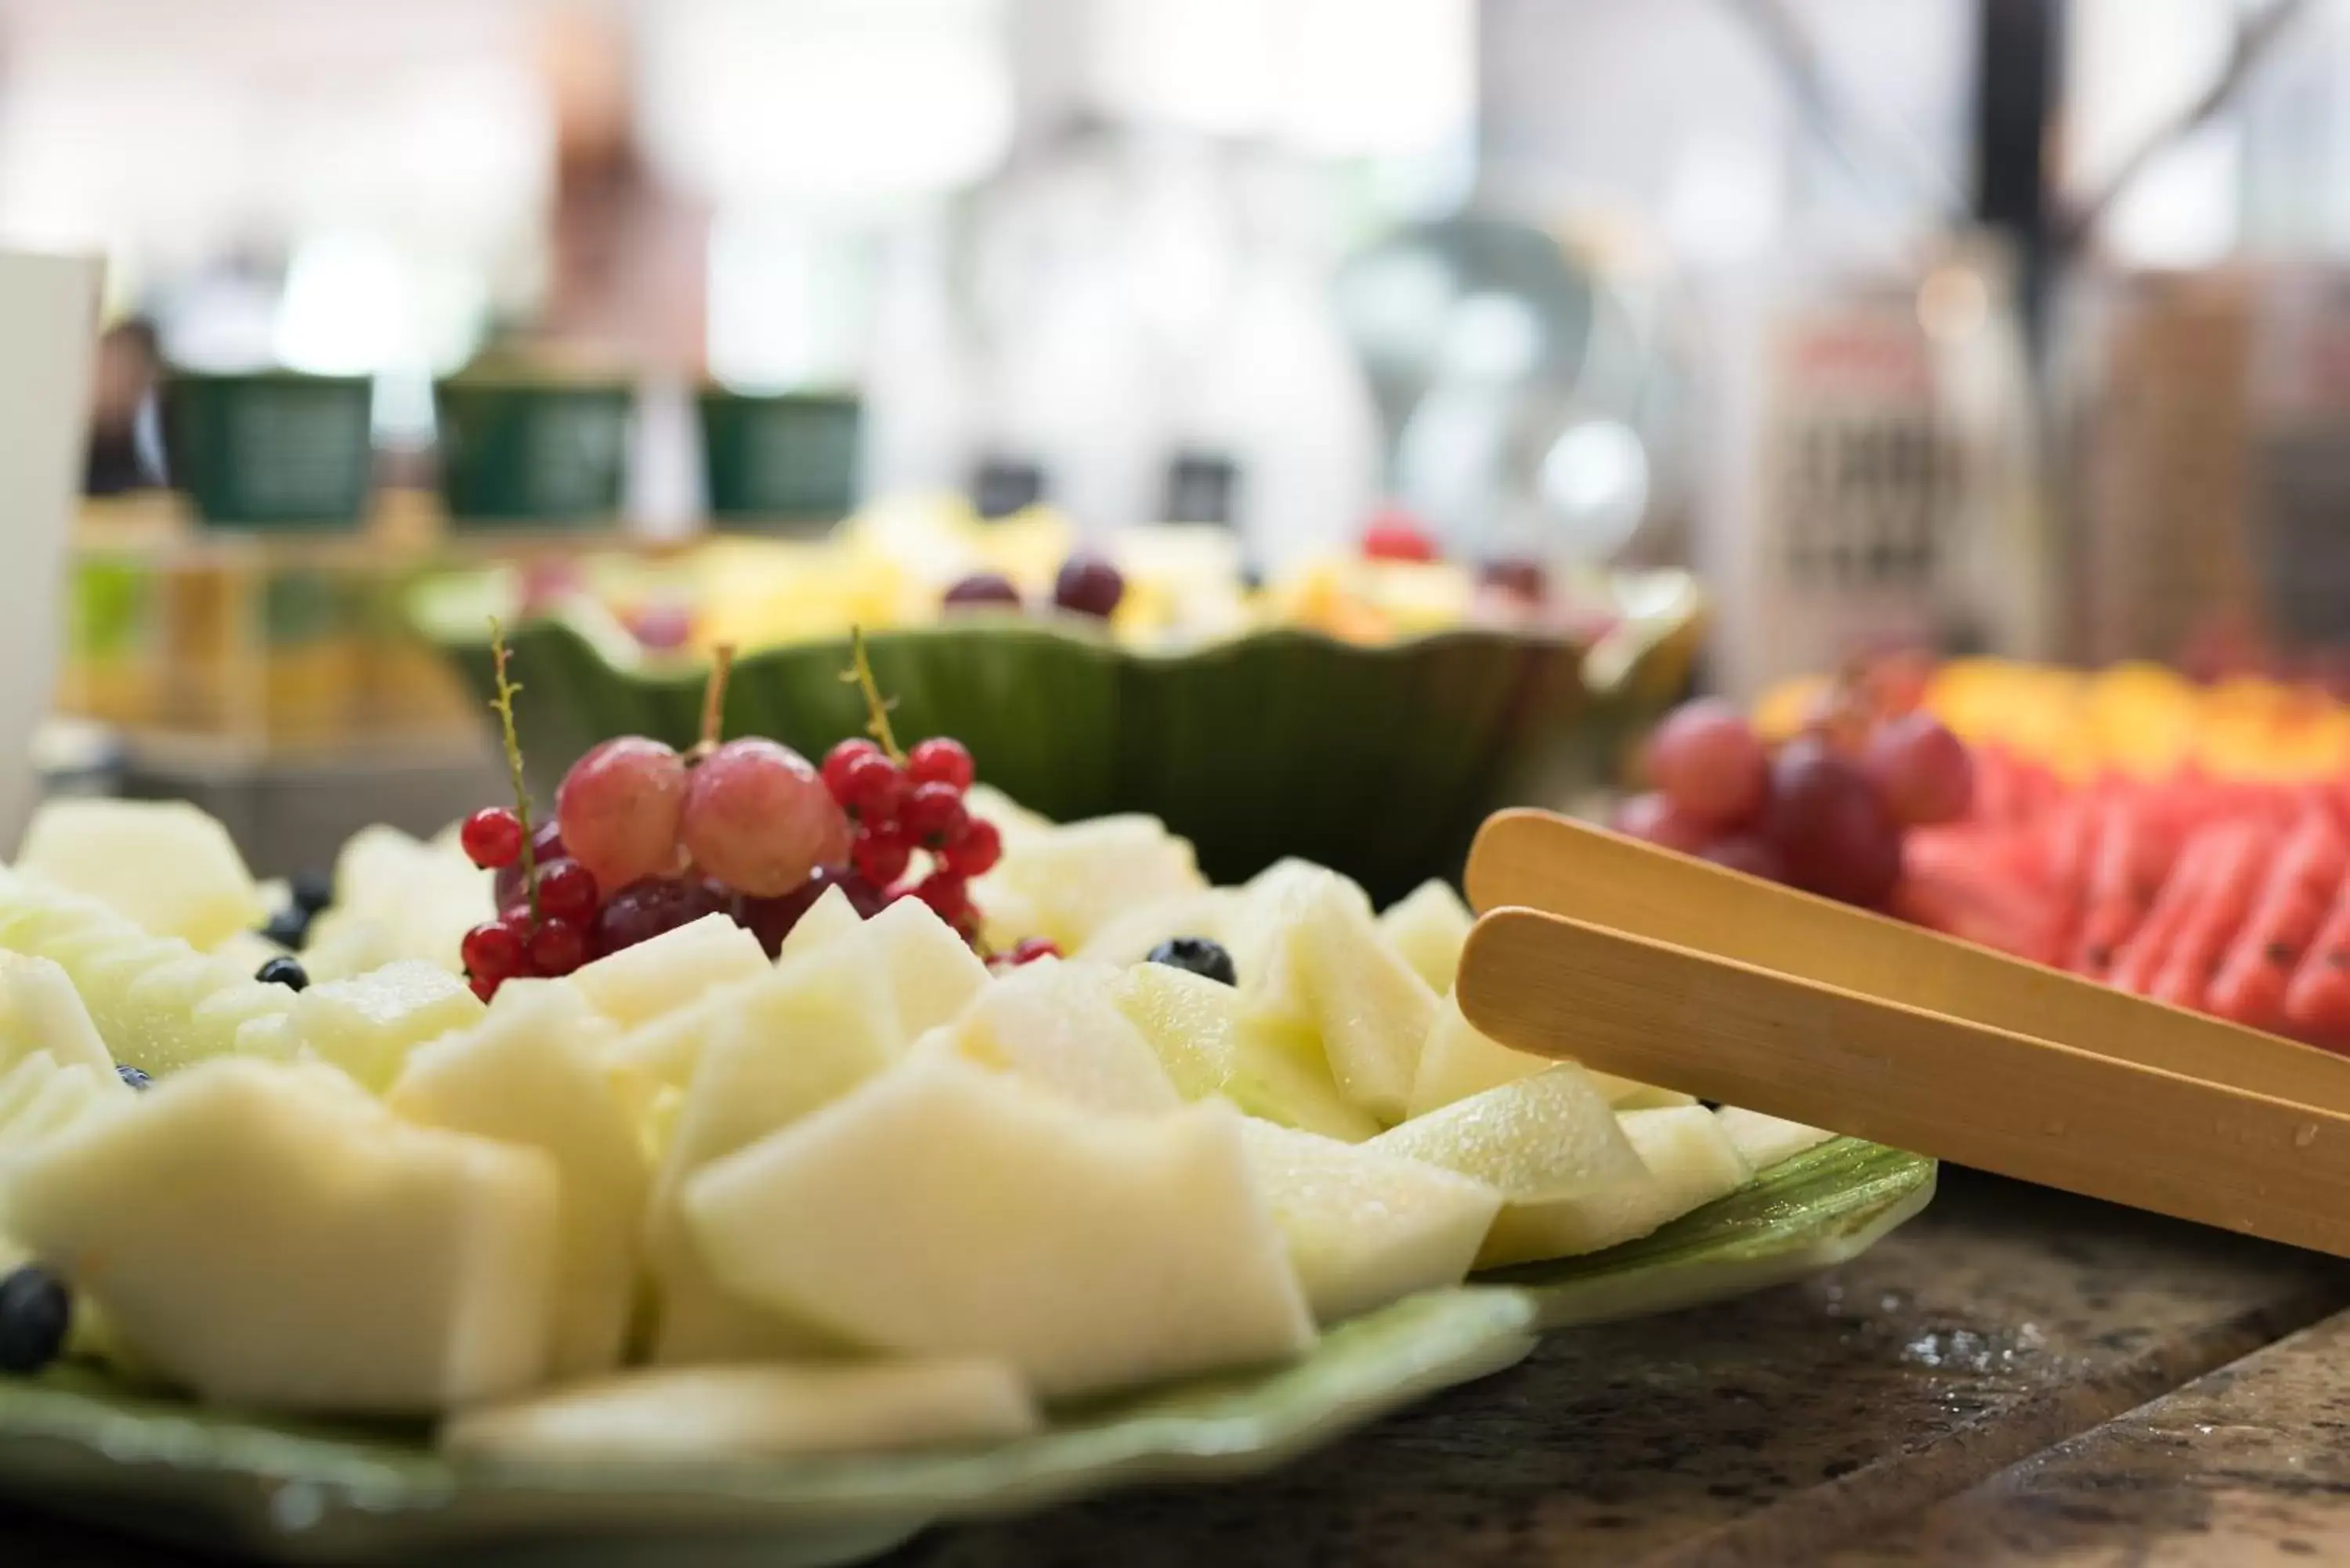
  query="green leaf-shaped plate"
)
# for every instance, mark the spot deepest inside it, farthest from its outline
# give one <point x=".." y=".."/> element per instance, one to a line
<point x="75" y="1443"/>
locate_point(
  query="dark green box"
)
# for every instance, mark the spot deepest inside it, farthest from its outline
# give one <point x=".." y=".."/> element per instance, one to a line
<point x="533" y="452"/>
<point x="272" y="448"/>
<point x="788" y="457"/>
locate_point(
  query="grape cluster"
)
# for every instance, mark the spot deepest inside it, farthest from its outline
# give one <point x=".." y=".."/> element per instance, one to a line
<point x="900" y="807"/>
<point x="1085" y="585"/>
<point x="1826" y="812"/>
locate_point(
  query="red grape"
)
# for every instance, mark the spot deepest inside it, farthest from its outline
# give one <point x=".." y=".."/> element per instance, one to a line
<point x="872" y="788"/>
<point x="619" y="808"/>
<point x="976" y="852"/>
<point x="941" y="760"/>
<point x="1923" y="771"/>
<point x="1744" y="852"/>
<point x="557" y="947"/>
<point x="1516" y="576"/>
<point x="491" y="837"/>
<point x="644" y="910"/>
<point x="1654" y="818"/>
<point x="933" y="815"/>
<point x="772" y="919"/>
<point x="545" y="846"/>
<point x="491" y="952"/>
<point x="1089" y="586"/>
<point x="1707" y="759"/>
<point x="1830" y="826"/>
<point x="566" y="891"/>
<point x="838" y="761"/>
<point x="759" y="819"/>
<point x="881" y="853"/>
<point x="981" y="591"/>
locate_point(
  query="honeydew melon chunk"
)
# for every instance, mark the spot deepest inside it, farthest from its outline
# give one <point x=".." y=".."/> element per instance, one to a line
<point x="1372" y="1011"/>
<point x="234" y="1004"/>
<point x="791" y="1041"/>
<point x="831" y="916"/>
<point x="1010" y="818"/>
<point x="931" y="974"/>
<point x="1073" y="879"/>
<point x="942" y="1210"/>
<point x="1429" y="926"/>
<point x="53" y="1101"/>
<point x="343" y="942"/>
<point x="1365" y="1226"/>
<point x="246" y="951"/>
<point x="267" y="1236"/>
<point x="184" y="980"/>
<point x="644" y="982"/>
<point x="1459" y="1060"/>
<point x="528" y="1074"/>
<point x="1129" y="938"/>
<point x="169" y="867"/>
<point x="41" y="1011"/>
<point x="1210" y="1043"/>
<point x="683" y="1415"/>
<point x="1765" y="1140"/>
<point x="369" y="1023"/>
<point x="1546" y="1143"/>
<point x="1054" y="1024"/>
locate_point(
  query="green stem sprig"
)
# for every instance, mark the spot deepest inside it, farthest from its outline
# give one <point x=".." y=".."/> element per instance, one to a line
<point x="502" y="705"/>
<point x="859" y="674"/>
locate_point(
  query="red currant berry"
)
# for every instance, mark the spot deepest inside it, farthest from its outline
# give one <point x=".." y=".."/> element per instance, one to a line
<point x="946" y="894"/>
<point x="843" y="757"/>
<point x="880" y="854"/>
<point x="519" y="920"/>
<point x="568" y="892"/>
<point x="1031" y="949"/>
<point x="874" y="789"/>
<point x="976" y="852"/>
<point x="933" y="815"/>
<point x="557" y="947"/>
<point x="483" y="986"/>
<point x="941" y="760"/>
<point x="491" y="837"/>
<point x="491" y="951"/>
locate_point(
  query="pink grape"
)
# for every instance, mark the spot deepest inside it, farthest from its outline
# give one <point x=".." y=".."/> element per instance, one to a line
<point x="1923" y="771"/>
<point x="1745" y="852"/>
<point x="619" y="807"/>
<point x="1657" y="820"/>
<point x="758" y="818"/>
<point x="1707" y="759"/>
<point x="1830" y="826"/>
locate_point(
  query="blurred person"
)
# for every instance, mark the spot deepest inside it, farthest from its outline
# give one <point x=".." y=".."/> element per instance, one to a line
<point x="122" y="449"/>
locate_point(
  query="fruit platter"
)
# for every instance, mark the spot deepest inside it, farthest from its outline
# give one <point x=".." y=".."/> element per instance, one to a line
<point x="789" y="1154"/>
<point x="1366" y="713"/>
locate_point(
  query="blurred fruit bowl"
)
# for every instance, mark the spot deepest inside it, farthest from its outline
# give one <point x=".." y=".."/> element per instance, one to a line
<point x="1378" y="761"/>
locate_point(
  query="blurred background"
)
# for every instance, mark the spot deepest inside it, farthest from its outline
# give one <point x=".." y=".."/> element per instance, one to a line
<point x="2018" y="328"/>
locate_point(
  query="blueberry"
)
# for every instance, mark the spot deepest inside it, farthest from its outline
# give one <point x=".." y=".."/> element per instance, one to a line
<point x="312" y="890"/>
<point x="135" y="1078"/>
<point x="34" y="1312"/>
<point x="288" y="928"/>
<point x="1199" y="955"/>
<point x="286" y="972"/>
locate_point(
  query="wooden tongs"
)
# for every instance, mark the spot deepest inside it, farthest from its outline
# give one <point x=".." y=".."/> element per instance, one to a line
<point x="1668" y="969"/>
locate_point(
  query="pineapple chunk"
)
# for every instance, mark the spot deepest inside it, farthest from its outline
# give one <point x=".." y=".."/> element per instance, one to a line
<point x="1054" y="1024"/>
<point x="527" y="1074"/>
<point x="166" y="865"/>
<point x="368" y="1024"/>
<point x="1366" y="1227"/>
<point x="640" y="983"/>
<point x="1428" y="928"/>
<point x="699" y="1414"/>
<point x="1210" y="1043"/>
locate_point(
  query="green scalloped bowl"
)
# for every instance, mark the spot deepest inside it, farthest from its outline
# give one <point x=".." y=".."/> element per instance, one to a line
<point x="72" y="1442"/>
<point x="1379" y="761"/>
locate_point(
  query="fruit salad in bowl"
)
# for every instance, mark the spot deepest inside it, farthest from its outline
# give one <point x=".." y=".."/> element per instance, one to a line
<point x="755" y="1109"/>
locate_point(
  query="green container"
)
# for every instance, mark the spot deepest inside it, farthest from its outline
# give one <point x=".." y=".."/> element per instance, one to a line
<point x="533" y="452"/>
<point x="1380" y="762"/>
<point x="781" y="458"/>
<point x="272" y="448"/>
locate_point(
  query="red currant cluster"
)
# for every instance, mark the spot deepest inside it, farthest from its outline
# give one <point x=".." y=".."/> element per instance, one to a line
<point x="550" y="938"/>
<point x="898" y="808"/>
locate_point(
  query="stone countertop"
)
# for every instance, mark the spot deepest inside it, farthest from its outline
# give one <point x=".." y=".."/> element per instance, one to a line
<point x="2015" y="1376"/>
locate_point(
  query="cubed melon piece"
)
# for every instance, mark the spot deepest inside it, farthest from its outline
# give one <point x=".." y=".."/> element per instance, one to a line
<point x="642" y="982"/>
<point x="1212" y="1045"/>
<point x="1054" y="1024"/>
<point x="529" y="1073"/>
<point x="41" y="1011"/>
<point x="1428" y="926"/>
<point x="368" y="1024"/>
<point x="1371" y="1010"/>
<point x="342" y="942"/>
<point x="1129" y="938"/>
<point x="931" y="974"/>
<point x="1546" y="1143"/>
<point x="1460" y="1061"/>
<point x="42" y="1099"/>
<point x="268" y="1237"/>
<point x="697" y="1413"/>
<point x="1764" y="1140"/>
<point x="1687" y="1161"/>
<point x="1073" y="880"/>
<point x="832" y="916"/>
<point x="172" y="868"/>
<point x="942" y="1210"/>
<point x="1366" y="1227"/>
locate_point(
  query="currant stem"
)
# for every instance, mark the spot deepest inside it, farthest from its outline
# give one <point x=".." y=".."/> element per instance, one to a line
<point x="714" y="702"/>
<point x="503" y="703"/>
<point x="877" y="709"/>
